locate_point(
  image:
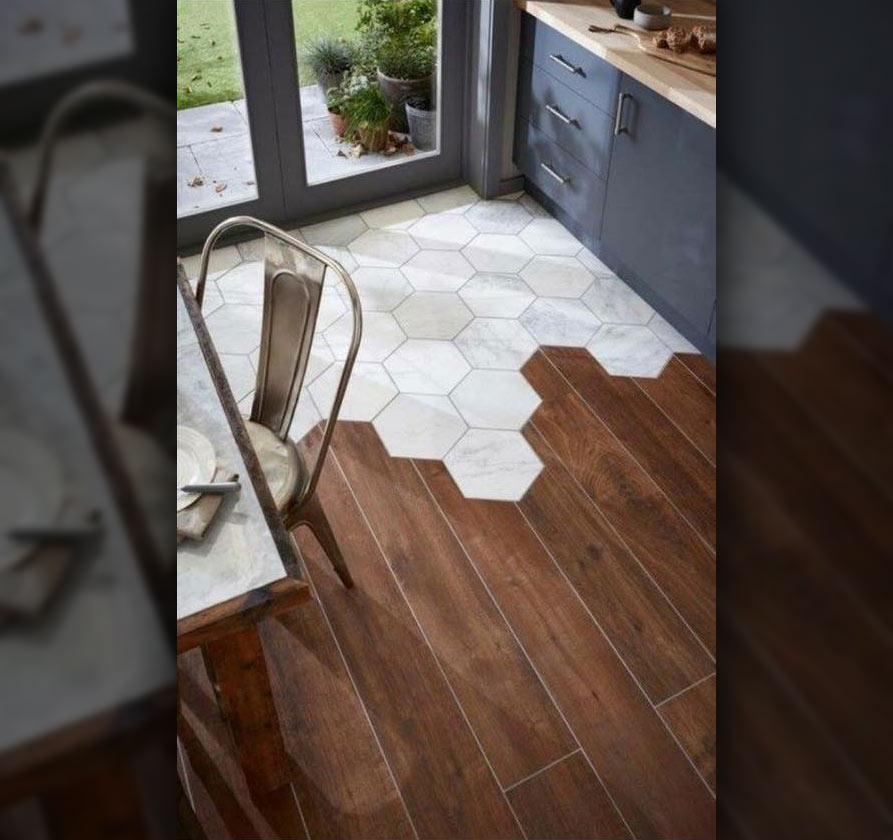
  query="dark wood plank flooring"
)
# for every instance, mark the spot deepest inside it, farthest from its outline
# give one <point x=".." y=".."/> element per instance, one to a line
<point x="499" y="669"/>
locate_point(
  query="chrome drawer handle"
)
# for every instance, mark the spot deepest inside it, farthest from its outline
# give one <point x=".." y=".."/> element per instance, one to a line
<point x="555" y="112"/>
<point x="618" y="129"/>
<point x="566" y="65"/>
<point x="561" y="179"/>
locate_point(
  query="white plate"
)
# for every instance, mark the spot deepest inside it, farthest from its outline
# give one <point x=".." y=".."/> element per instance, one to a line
<point x="196" y="463"/>
<point x="31" y="491"/>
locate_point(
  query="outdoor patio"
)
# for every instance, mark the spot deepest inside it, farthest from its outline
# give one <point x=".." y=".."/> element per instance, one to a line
<point x="213" y="142"/>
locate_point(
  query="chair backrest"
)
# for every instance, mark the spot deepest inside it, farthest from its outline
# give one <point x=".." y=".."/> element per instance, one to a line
<point x="294" y="277"/>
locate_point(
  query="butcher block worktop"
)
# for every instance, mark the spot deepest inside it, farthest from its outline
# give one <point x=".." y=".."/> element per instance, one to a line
<point x="692" y="91"/>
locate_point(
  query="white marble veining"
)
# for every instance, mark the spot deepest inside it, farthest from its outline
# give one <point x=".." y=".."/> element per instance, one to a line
<point x="385" y="248"/>
<point x="244" y="283"/>
<point x="414" y="426"/>
<point x="498" y="252"/>
<point x="670" y="336"/>
<point x="438" y="271"/>
<point x="489" y="464"/>
<point x="455" y="200"/>
<point x="337" y="232"/>
<point x="397" y="216"/>
<point x="495" y="399"/>
<point x="498" y="217"/>
<point x="628" y="350"/>
<point x="550" y="237"/>
<point x="381" y="336"/>
<point x="343" y="257"/>
<point x="560" y="322"/>
<point x="432" y="315"/>
<point x="369" y="390"/>
<point x="497" y="295"/>
<point x="423" y="366"/>
<point x="239" y="373"/>
<point x="222" y="259"/>
<point x="556" y="276"/>
<point x="235" y="327"/>
<point x="593" y="263"/>
<point x="497" y="343"/>
<point x="380" y="289"/>
<point x="442" y="232"/>
<point x="616" y="303"/>
<point x="331" y="308"/>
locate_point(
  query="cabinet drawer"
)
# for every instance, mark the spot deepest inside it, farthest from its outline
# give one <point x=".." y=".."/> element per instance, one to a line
<point x="577" y="190"/>
<point x="565" y="117"/>
<point x="582" y="71"/>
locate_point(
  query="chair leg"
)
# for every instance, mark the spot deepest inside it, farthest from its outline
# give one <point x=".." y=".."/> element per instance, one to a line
<point x="314" y="517"/>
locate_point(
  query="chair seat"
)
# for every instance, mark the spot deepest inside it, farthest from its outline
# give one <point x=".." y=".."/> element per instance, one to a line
<point x="283" y="467"/>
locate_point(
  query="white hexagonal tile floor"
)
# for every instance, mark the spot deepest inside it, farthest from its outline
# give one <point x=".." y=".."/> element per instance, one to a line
<point x="457" y="294"/>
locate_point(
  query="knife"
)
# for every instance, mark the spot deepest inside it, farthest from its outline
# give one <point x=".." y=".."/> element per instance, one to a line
<point x="219" y="487"/>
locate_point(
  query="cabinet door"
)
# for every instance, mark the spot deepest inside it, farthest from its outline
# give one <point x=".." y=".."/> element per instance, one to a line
<point x="660" y="211"/>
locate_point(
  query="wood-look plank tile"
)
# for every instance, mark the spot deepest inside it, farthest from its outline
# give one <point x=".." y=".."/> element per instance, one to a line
<point x="692" y="717"/>
<point x="448" y="788"/>
<point x="566" y="802"/>
<point x="701" y="367"/>
<point x="667" y="455"/>
<point x="856" y="411"/>
<point x="660" y="650"/>
<point x="510" y="712"/>
<point x="643" y="768"/>
<point x="214" y="776"/>
<point x="338" y="772"/>
<point x="655" y="532"/>
<point x="688" y="402"/>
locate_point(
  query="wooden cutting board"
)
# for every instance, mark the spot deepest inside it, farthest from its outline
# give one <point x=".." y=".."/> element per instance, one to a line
<point x="689" y="59"/>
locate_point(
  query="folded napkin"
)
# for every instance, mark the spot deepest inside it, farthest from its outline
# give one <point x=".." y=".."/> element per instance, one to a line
<point x="194" y="521"/>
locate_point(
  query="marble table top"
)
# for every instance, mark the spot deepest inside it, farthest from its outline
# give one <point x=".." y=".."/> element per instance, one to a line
<point x="101" y="644"/>
<point x="238" y="553"/>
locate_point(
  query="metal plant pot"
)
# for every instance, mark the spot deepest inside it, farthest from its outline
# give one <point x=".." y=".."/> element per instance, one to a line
<point x="397" y="91"/>
<point x="422" y="127"/>
<point x="324" y="81"/>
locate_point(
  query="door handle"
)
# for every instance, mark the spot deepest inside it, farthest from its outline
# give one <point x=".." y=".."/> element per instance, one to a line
<point x="560" y="178"/>
<point x="565" y="64"/>
<point x="556" y="112"/>
<point x="618" y="128"/>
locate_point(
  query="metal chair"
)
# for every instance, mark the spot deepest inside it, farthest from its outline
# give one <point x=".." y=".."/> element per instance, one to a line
<point x="294" y="274"/>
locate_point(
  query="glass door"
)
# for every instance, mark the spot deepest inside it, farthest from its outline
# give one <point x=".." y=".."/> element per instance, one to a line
<point x="320" y="105"/>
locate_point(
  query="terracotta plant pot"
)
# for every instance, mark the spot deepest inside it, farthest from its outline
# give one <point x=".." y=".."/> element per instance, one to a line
<point x="397" y="91"/>
<point x="374" y="137"/>
<point x="339" y="123"/>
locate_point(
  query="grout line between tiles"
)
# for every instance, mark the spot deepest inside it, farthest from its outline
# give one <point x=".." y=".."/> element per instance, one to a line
<point x="543" y="769"/>
<point x="428" y="642"/>
<point x="617" y="654"/>
<point x="524" y="651"/>
<point x="684" y="690"/>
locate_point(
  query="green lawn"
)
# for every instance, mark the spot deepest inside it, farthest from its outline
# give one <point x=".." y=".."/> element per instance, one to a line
<point x="208" y="68"/>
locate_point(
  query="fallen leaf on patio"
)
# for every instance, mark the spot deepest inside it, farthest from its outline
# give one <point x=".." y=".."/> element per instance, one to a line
<point x="220" y="58"/>
<point x="216" y="128"/>
<point x="250" y="183"/>
<point x="408" y="148"/>
<point x="219" y="188"/>
<point x="340" y="153"/>
<point x="195" y="36"/>
<point x="213" y="43"/>
<point x="356" y="151"/>
<point x="196" y="77"/>
<point x="179" y="40"/>
<point x="187" y="89"/>
<point x="196" y="181"/>
<point x="209" y="83"/>
<point x="178" y="59"/>
<point x="390" y="150"/>
<point x="31" y="25"/>
<point x="70" y="34"/>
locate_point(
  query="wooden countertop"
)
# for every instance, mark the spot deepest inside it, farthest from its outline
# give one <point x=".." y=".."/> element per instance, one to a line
<point x="692" y="91"/>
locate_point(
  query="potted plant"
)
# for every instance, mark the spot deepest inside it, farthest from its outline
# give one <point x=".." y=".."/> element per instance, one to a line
<point x="368" y="114"/>
<point x="331" y="59"/>
<point x="422" y="119"/>
<point x="336" y="97"/>
<point x="400" y="41"/>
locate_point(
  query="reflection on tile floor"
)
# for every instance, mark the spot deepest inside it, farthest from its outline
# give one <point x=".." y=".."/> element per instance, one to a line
<point x="457" y="294"/>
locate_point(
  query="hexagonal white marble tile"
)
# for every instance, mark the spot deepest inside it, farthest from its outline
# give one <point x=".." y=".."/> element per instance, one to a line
<point x="338" y="232"/>
<point x="616" y="303"/>
<point x="455" y="200"/>
<point x="496" y="343"/>
<point x="381" y="336"/>
<point x="594" y="264"/>
<point x="331" y="308"/>
<point x="384" y="248"/>
<point x="498" y="252"/>
<point x="498" y="217"/>
<point x="432" y="315"/>
<point x="305" y="418"/>
<point x="397" y="216"/>
<point x="497" y="295"/>
<point x="343" y="257"/>
<point x="414" y="426"/>
<point x="424" y="366"/>
<point x="239" y="373"/>
<point x="222" y="259"/>
<point x="495" y="399"/>
<point x="550" y="237"/>
<point x="369" y="390"/>
<point x="235" y="327"/>
<point x="560" y="322"/>
<point x="488" y="464"/>
<point x="668" y="334"/>
<point x="533" y="207"/>
<point x="629" y="350"/>
<point x="243" y="284"/>
<point x="442" y="232"/>
<point x="437" y="271"/>
<point x="380" y="289"/>
<point x="556" y="277"/>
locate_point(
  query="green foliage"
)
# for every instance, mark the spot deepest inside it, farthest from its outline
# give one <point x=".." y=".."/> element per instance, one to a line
<point x="399" y="36"/>
<point x="359" y="99"/>
<point x="330" y="56"/>
<point x="410" y="55"/>
<point x="383" y="19"/>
